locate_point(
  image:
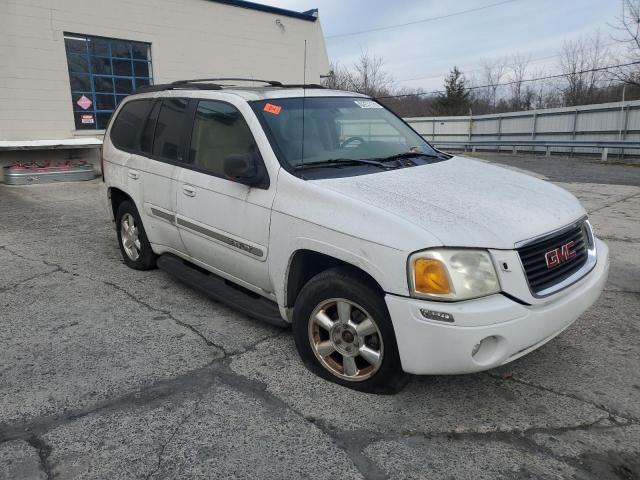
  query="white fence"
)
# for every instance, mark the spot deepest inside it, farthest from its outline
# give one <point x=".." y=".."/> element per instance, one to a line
<point x="607" y="122"/>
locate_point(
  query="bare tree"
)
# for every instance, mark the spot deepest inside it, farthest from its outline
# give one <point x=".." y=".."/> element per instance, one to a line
<point x="366" y="75"/>
<point x="628" y="22"/>
<point x="339" y="78"/>
<point x="544" y="94"/>
<point x="579" y="63"/>
<point x="370" y="77"/>
<point x="627" y="28"/>
<point x="521" y="96"/>
<point x="410" y="102"/>
<point x="493" y="72"/>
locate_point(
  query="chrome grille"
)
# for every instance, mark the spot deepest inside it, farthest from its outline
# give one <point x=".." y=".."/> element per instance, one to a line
<point x="532" y="255"/>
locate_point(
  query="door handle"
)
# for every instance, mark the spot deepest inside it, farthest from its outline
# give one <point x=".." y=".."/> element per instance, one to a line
<point x="134" y="175"/>
<point x="189" y="191"/>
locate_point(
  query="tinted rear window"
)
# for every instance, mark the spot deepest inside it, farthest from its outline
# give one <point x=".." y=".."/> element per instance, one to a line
<point x="127" y="126"/>
<point x="169" y="127"/>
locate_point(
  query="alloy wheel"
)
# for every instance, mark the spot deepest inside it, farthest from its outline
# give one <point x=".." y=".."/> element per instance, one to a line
<point x="130" y="237"/>
<point x="345" y="339"/>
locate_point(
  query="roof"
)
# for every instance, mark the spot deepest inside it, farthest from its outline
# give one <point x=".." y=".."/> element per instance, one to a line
<point x="309" y="15"/>
<point x="265" y="93"/>
<point x="268" y="89"/>
<point x="251" y="93"/>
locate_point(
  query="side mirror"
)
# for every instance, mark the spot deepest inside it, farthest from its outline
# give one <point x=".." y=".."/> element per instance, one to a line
<point x="246" y="168"/>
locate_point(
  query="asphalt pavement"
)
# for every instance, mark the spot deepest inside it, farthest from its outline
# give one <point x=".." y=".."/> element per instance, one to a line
<point x="111" y="373"/>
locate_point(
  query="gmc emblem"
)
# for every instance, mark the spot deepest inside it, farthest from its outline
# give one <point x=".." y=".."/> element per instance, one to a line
<point x="559" y="255"/>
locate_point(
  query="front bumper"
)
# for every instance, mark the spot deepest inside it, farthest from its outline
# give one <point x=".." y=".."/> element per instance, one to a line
<point x="509" y="329"/>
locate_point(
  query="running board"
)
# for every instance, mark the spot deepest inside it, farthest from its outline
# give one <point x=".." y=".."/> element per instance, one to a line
<point x="219" y="289"/>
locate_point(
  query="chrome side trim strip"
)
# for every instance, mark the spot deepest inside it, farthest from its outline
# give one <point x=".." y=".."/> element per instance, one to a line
<point x="257" y="252"/>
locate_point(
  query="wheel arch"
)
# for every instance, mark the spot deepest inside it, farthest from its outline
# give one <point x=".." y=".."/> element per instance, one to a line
<point x="116" y="197"/>
<point x="305" y="264"/>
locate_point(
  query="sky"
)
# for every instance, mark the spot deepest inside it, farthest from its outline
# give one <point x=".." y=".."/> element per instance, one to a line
<point x="420" y="55"/>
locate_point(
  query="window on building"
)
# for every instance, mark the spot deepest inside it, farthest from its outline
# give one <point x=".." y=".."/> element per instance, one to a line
<point x="219" y="130"/>
<point x="102" y="71"/>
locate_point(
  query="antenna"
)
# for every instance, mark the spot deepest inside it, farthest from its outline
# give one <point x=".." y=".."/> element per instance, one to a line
<point x="304" y="96"/>
<point x="304" y="71"/>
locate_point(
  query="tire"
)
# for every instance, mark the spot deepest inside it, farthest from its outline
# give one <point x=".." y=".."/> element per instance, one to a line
<point x="135" y="248"/>
<point x="326" y="344"/>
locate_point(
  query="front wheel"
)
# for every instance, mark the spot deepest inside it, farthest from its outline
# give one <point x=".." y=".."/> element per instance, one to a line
<point x="344" y="334"/>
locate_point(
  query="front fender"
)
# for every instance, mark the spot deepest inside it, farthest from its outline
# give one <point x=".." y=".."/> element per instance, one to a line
<point x="387" y="266"/>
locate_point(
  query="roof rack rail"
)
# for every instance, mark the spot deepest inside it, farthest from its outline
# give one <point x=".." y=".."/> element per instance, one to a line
<point x="302" y="85"/>
<point x="170" y="86"/>
<point x="202" y="84"/>
<point x="273" y="83"/>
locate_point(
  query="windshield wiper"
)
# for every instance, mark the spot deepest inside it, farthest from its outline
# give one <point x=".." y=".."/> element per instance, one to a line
<point x="334" y="162"/>
<point x="401" y="156"/>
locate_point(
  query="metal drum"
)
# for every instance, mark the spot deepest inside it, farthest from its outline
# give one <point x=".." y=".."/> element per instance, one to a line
<point x="32" y="174"/>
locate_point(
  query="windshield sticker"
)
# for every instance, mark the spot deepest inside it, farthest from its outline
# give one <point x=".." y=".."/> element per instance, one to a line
<point x="367" y="104"/>
<point x="274" y="109"/>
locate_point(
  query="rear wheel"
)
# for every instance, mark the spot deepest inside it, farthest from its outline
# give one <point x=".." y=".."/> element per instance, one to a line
<point x="132" y="238"/>
<point x="344" y="334"/>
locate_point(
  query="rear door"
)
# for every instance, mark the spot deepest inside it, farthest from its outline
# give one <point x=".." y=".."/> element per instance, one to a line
<point x="161" y="144"/>
<point x="149" y="177"/>
<point x="223" y="224"/>
<point x="124" y="134"/>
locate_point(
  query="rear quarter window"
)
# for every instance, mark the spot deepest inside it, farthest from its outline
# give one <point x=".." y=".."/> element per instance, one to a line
<point x="169" y="128"/>
<point x="127" y="126"/>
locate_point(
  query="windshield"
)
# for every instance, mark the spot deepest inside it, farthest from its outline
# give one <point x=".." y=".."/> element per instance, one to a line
<point x="336" y="130"/>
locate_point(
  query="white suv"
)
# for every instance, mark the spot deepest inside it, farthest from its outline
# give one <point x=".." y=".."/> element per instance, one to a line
<point x="323" y="210"/>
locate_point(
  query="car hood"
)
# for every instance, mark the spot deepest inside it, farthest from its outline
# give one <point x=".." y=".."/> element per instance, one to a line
<point x="464" y="202"/>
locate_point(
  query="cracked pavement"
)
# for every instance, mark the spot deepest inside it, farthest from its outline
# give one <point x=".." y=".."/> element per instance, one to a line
<point x="107" y="372"/>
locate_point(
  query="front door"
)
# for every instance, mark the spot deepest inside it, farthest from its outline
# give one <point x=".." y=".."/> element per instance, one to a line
<point x="223" y="224"/>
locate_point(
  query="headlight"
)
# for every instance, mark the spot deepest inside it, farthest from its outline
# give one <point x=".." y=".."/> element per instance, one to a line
<point x="452" y="274"/>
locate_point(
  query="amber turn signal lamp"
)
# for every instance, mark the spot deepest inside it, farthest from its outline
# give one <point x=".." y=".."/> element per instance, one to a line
<point x="431" y="276"/>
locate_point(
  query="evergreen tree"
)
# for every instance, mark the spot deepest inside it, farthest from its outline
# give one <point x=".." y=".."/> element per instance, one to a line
<point x="456" y="98"/>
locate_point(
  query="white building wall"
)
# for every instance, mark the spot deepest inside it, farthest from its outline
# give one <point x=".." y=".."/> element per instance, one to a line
<point x="189" y="39"/>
